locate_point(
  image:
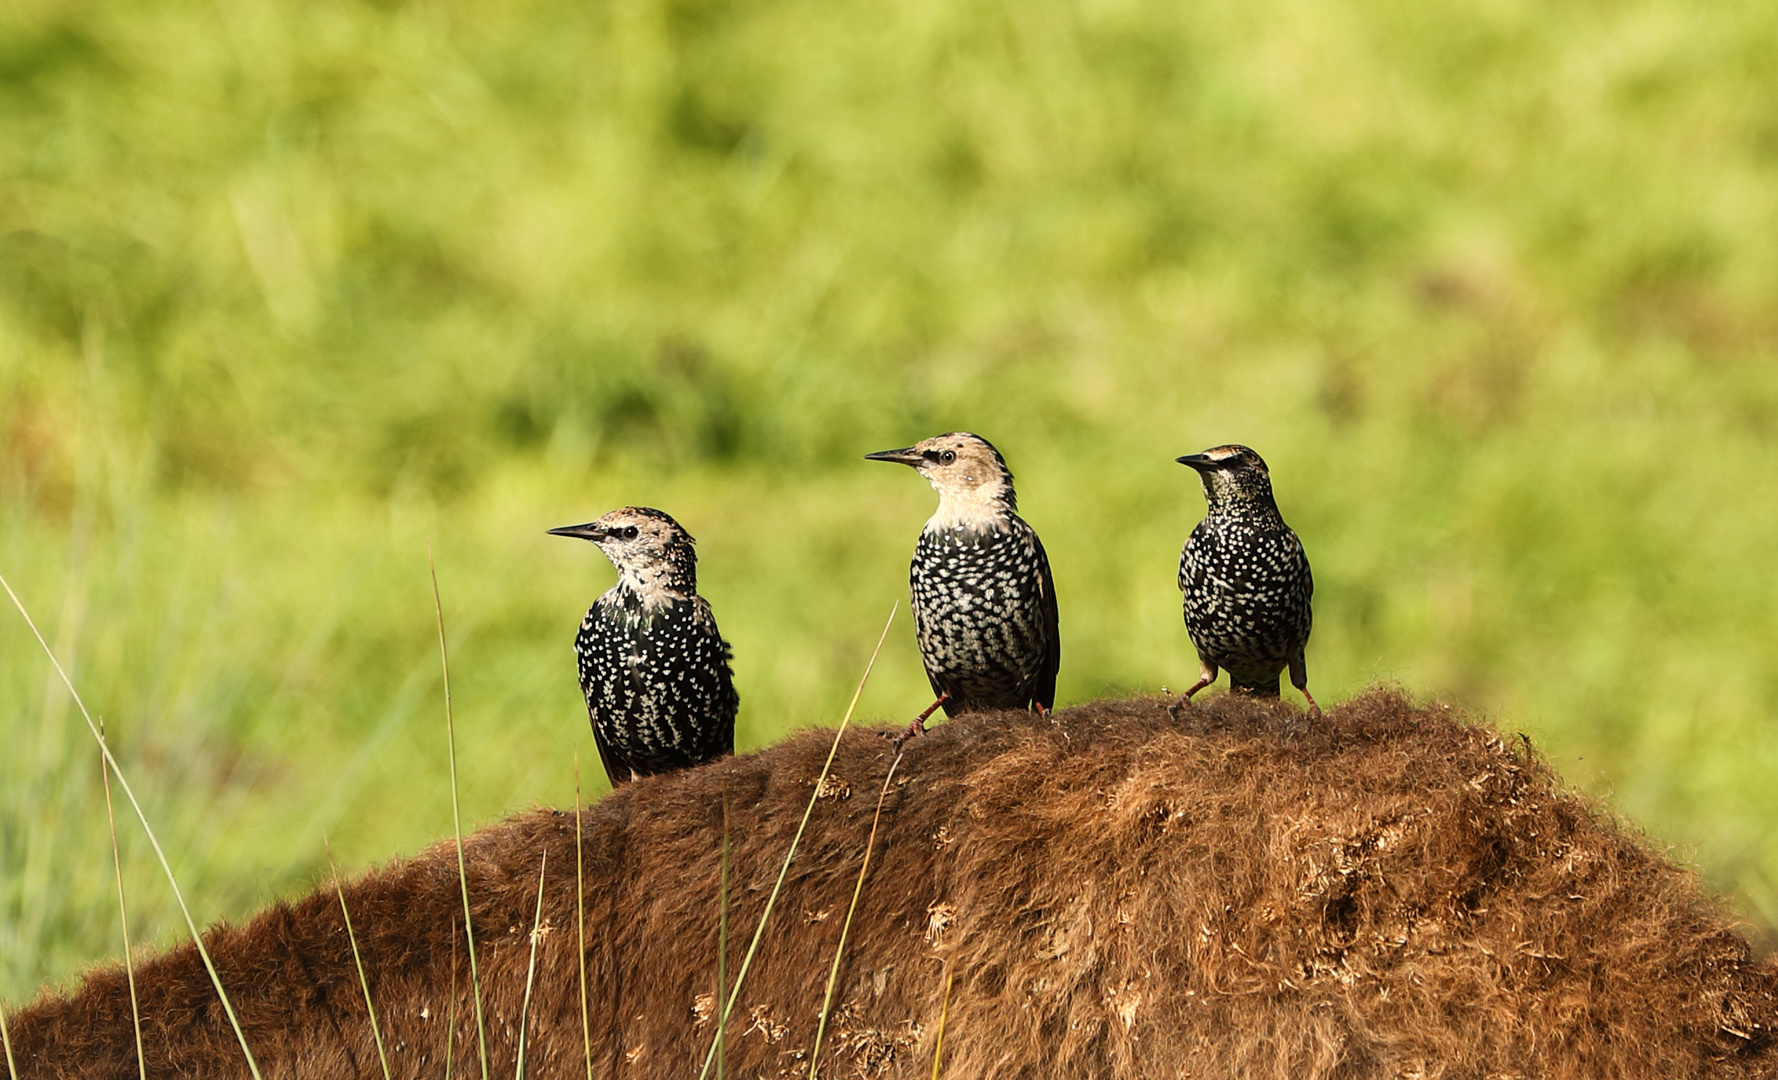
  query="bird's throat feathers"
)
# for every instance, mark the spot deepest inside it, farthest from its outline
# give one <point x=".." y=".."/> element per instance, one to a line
<point x="988" y="507"/>
<point x="1247" y="497"/>
<point x="657" y="583"/>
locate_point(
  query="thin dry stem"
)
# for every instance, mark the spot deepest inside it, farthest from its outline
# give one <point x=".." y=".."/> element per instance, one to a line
<point x="833" y="973"/>
<point x="944" y="1010"/>
<point x="12" y="1068"/>
<point x="376" y="1032"/>
<point x="518" y="1072"/>
<point x="166" y="867"/>
<point x="444" y="659"/>
<point x="451" y="1009"/>
<point x="586" y="1026"/>
<point x="784" y="871"/>
<point x="123" y="917"/>
<point x="722" y="939"/>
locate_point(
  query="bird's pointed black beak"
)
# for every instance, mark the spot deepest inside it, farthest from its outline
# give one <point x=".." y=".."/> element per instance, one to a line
<point x="1199" y="462"/>
<point x="589" y="531"/>
<point x="907" y="455"/>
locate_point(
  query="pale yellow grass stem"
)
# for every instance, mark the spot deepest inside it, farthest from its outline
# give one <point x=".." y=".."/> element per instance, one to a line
<point x="166" y="867"/>
<point x="784" y="871"/>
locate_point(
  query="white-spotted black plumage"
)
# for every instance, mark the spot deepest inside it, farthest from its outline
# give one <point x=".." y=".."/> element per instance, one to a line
<point x="653" y="667"/>
<point x="984" y="598"/>
<point x="1246" y="579"/>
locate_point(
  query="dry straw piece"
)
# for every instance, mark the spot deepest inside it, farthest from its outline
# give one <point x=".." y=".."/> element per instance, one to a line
<point x="1392" y="891"/>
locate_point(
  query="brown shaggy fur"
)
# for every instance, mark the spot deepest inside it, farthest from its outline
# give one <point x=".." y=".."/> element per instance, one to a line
<point x="1390" y="892"/>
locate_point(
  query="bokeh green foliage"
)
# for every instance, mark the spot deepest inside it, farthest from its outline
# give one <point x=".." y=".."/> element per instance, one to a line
<point x="290" y="291"/>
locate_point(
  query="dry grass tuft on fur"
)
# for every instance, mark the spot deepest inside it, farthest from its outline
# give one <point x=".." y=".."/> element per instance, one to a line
<point x="1390" y="892"/>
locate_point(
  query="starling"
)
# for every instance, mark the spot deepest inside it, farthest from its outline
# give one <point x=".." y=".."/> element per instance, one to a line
<point x="1246" y="580"/>
<point x="653" y="667"/>
<point x="984" y="600"/>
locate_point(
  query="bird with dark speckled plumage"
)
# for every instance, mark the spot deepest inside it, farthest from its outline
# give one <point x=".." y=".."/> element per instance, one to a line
<point x="1246" y="580"/>
<point x="653" y="668"/>
<point x="984" y="600"/>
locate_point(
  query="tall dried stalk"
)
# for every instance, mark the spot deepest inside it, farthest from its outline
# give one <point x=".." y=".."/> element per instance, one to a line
<point x="784" y="871"/>
<point x="475" y="977"/>
<point x="166" y="867"/>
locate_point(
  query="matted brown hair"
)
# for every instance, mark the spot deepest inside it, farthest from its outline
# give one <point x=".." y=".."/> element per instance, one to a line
<point x="1393" y="891"/>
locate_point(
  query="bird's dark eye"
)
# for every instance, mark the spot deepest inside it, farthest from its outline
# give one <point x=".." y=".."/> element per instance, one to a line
<point x="629" y="532"/>
<point x="948" y="456"/>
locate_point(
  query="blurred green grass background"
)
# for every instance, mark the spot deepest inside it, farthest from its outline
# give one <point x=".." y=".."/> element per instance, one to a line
<point x="290" y="291"/>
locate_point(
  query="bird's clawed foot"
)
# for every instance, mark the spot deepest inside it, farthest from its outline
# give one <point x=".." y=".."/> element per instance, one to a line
<point x="1184" y="701"/>
<point x="1206" y="676"/>
<point x="918" y="727"/>
<point x="1314" y="709"/>
<point x="914" y="730"/>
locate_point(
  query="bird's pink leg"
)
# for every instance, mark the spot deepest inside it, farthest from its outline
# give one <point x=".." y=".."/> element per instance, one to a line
<point x="1206" y="676"/>
<point x="1299" y="678"/>
<point x="918" y="727"/>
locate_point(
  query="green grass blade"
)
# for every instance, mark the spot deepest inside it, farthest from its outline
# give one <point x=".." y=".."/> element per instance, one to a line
<point x="444" y="659"/>
<point x="833" y="973"/>
<point x="123" y="917"/>
<point x="586" y="1024"/>
<point x="166" y="867"/>
<point x="531" y="970"/>
<point x="351" y="936"/>
<point x="784" y="871"/>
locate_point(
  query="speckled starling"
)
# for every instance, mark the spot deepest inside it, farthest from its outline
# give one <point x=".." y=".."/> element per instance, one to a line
<point x="984" y="600"/>
<point x="653" y="667"/>
<point x="1246" y="580"/>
